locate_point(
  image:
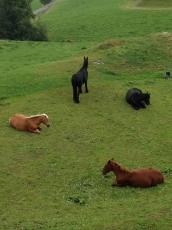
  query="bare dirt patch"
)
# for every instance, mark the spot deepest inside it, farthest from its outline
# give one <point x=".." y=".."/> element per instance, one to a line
<point x="135" y="5"/>
<point x="164" y="35"/>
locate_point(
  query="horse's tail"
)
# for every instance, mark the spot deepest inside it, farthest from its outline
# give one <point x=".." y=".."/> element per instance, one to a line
<point x="75" y="94"/>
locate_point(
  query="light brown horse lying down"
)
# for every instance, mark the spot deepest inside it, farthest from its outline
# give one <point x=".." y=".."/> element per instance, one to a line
<point x="144" y="177"/>
<point x="32" y="123"/>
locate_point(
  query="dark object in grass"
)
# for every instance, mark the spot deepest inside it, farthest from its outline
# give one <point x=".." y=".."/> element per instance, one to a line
<point x="167" y="74"/>
<point x="77" y="200"/>
<point x="78" y="79"/>
<point x="137" y="99"/>
<point x="138" y="178"/>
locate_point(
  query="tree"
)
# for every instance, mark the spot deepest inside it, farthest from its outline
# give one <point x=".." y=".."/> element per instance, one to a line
<point x="44" y="2"/>
<point x="3" y="20"/>
<point x="16" y="20"/>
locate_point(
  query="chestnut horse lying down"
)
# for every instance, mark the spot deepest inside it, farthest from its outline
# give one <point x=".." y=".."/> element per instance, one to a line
<point x="144" y="177"/>
<point x="32" y="123"/>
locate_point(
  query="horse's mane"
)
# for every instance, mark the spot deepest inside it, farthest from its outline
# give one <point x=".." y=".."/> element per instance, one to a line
<point x="122" y="168"/>
<point x="43" y="114"/>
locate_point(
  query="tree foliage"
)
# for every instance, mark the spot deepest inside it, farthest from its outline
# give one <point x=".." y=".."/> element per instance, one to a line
<point x="44" y="2"/>
<point x="16" y="21"/>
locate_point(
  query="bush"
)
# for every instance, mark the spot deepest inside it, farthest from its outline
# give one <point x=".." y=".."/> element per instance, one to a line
<point x="16" y="22"/>
<point x="39" y="32"/>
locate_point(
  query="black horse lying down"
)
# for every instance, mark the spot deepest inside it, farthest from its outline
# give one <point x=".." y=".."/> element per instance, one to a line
<point x="78" y="79"/>
<point x="137" y="99"/>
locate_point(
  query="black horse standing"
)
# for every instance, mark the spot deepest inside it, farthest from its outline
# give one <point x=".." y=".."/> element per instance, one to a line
<point x="137" y="99"/>
<point x="78" y="79"/>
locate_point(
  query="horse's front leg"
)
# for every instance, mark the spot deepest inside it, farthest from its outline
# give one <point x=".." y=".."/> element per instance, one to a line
<point x="86" y="89"/>
<point x="143" y="104"/>
<point x="39" y="128"/>
<point x="34" y="130"/>
<point x="122" y="181"/>
<point x="117" y="185"/>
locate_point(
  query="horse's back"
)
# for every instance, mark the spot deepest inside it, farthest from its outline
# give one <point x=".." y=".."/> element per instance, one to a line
<point x="146" y="177"/>
<point x="130" y="93"/>
<point x="18" y="121"/>
<point x="132" y="98"/>
<point x="78" y="79"/>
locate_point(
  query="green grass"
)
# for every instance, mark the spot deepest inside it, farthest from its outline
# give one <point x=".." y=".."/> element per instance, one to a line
<point x="36" y="4"/>
<point x="53" y="180"/>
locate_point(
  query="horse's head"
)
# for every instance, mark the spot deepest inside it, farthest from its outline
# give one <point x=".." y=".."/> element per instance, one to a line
<point x="147" y="98"/>
<point x="45" y="120"/>
<point x="111" y="165"/>
<point x="85" y="62"/>
<point x="108" y="167"/>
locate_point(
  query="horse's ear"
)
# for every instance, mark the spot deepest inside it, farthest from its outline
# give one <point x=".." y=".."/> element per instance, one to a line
<point x="112" y="159"/>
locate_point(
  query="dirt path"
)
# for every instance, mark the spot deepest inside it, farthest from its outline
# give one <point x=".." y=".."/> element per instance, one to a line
<point x="44" y="7"/>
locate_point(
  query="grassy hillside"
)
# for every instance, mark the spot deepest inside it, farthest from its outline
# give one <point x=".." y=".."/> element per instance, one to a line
<point x="54" y="180"/>
<point x="94" y="21"/>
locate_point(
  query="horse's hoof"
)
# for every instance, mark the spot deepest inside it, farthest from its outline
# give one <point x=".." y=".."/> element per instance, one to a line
<point x="114" y="185"/>
<point x="76" y="101"/>
<point x="86" y="91"/>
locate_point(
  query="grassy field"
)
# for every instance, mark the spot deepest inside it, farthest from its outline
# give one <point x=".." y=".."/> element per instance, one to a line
<point x="54" y="180"/>
<point x="36" y="4"/>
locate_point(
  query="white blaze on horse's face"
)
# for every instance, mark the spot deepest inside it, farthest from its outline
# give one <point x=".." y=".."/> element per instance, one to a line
<point x="45" y="120"/>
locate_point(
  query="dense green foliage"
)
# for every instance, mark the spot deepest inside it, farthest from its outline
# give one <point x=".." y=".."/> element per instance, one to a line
<point x="16" y="24"/>
<point x="54" y="180"/>
<point x="44" y="2"/>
